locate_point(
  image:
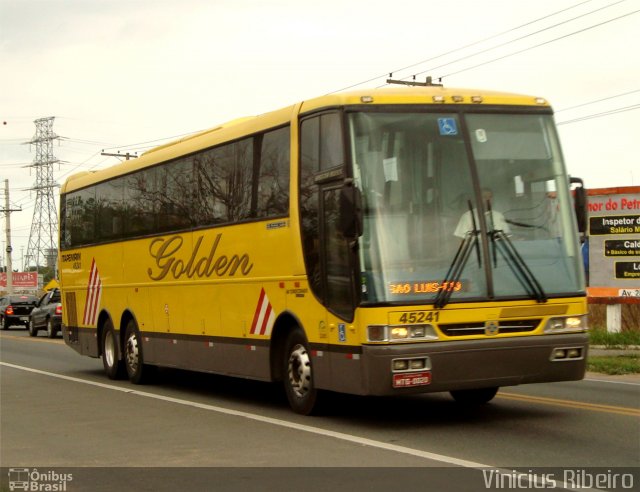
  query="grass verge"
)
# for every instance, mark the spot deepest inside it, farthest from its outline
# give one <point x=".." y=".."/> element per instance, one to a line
<point x="614" y="340"/>
<point x="614" y="364"/>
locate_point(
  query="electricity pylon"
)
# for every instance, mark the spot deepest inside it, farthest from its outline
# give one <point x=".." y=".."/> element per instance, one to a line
<point x="44" y="225"/>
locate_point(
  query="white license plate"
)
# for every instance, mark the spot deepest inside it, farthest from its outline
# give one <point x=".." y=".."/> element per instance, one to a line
<point x="24" y="318"/>
<point x="408" y="380"/>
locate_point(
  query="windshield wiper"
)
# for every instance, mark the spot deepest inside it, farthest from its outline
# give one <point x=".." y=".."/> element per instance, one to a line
<point x="459" y="262"/>
<point x="500" y="240"/>
<point x="518" y="266"/>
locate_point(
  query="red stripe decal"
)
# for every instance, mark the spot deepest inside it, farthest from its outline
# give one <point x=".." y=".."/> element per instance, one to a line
<point x="256" y="316"/>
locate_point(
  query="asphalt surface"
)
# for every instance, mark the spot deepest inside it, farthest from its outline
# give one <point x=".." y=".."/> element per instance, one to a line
<point x="59" y="412"/>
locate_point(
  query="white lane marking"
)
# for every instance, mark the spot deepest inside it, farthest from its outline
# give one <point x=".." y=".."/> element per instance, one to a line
<point x="268" y="420"/>
<point x="612" y="382"/>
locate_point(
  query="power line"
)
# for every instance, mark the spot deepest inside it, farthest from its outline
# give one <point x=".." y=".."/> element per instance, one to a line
<point x="134" y="145"/>
<point x="599" y="115"/>
<point x="85" y="142"/>
<point x="541" y="44"/>
<point x="522" y="37"/>
<point x="596" y="101"/>
<point x="141" y="146"/>
<point x="465" y="46"/>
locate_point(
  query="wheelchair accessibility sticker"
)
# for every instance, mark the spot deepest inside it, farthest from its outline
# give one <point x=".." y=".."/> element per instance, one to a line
<point x="448" y="126"/>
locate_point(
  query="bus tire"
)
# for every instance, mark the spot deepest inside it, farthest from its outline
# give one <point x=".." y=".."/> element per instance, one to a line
<point x="478" y="396"/>
<point x="137" y="370"/>
<point x="298" y="374"/>
<point x="113" y="366"/>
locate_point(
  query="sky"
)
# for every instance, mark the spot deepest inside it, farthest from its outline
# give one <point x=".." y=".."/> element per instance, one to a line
<point x="126" y="75"/>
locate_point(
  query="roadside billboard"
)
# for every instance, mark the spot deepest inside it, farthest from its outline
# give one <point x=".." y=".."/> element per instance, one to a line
<point x="614" y="242"/>
<point x="21" y="280"/>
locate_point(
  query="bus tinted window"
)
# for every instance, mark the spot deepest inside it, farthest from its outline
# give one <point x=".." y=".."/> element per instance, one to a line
<point x="80" y="217"/>
<point x="273" y="180"/>
<point x="321" y="160"/>
<point x="243" y="181"/>
<point x="174" y="182"/>
<point x="109" y="209"/>
<point x="309" y="167"/>
<point x="223" y="177"/>
<point x="233" y="182"/>
<point x="331" y="148"/>
<point x="140" y="193"/>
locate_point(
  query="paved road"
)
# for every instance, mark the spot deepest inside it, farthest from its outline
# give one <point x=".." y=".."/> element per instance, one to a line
<point x="58" y="410"/>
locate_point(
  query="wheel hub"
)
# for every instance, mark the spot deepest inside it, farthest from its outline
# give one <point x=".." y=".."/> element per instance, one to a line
<point x="299" y="371"/>
<point x="110" y="350"/>
<point x="132" y="353"/>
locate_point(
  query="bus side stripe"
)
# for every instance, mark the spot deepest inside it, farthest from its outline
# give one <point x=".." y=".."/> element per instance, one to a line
<point x="263" y="318"/>
<point x="256" y="316"/>
<point x="96" y="299"/>
<point x="267" y="319"/>
<point x="92" y="292"/>
<point x="85" y="317"/>
<point x="94" y="295"/>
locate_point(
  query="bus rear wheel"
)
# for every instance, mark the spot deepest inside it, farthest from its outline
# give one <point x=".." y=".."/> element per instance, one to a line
<point x="113" y="366"/>
<point x="137" y="370"/>
<point x="478" y="396"/>
<point x="298" y="375"/>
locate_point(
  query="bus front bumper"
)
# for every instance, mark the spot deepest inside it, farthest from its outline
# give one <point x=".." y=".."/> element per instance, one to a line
<point x="470" y="364"/>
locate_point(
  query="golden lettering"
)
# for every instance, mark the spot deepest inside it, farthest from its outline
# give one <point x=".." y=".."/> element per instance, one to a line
<point x="165" y="252"/>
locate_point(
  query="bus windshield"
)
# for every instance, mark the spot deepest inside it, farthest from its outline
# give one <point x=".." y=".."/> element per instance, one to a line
<point x="490" y="187"/>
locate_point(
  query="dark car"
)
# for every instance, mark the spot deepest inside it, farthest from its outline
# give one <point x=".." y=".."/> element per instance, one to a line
<point x="15" y="310"/>
<point x="47" y="315"/>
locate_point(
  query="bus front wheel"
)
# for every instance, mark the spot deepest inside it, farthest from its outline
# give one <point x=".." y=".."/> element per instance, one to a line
<point x="478" y="396"/>
<point x="298" y="376"/>
<point x="137" y="370"/>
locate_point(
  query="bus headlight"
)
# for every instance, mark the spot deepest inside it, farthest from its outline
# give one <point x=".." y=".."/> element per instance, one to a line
<point x="399" y="333"/>
<point x="409" y="333"/>
<point x="566" y="324"/>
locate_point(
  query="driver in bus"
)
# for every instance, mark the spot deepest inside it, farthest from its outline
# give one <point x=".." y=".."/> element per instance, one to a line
<point x="496" y="222"/>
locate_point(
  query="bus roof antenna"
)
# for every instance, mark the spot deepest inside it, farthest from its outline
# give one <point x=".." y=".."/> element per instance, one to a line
<point x="429" y="82"/>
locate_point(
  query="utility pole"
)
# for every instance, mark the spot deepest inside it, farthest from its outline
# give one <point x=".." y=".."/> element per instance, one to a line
<point x="44" y="226"/>
<point x="7" y="214"/>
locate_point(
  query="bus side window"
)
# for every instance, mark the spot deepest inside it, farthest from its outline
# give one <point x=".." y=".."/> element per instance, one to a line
<point x="309" y="167"/>
<point x="326" y="251"/>
<point x="139" y="197"/>
<point x="109" y="209"/>
<point x="79" y="224"/>
<point x="271" y="183"/>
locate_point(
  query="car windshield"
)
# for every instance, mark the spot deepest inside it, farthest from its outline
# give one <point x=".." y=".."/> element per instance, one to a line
<point x="476" y="205"/>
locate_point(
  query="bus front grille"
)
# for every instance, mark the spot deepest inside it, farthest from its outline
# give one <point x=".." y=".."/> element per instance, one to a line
<point x="481" y="328"/>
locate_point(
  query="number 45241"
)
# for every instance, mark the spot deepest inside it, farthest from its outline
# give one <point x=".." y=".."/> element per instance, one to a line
<point x="420" y="317"/>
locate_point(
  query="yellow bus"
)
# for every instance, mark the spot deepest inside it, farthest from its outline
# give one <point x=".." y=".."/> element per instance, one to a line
<point x="378" y="242"/>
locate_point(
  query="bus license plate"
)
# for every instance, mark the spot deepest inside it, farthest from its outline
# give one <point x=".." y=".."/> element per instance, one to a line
<point x="408" y="380"/>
